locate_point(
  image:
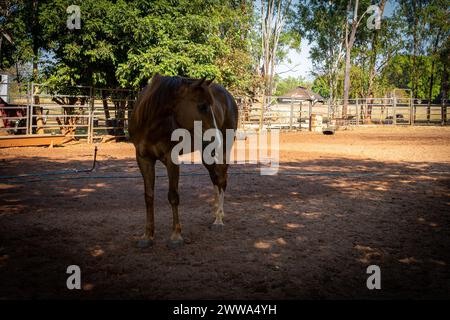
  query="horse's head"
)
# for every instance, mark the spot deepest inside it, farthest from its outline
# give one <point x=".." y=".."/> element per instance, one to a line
<point x="195" y="103"/>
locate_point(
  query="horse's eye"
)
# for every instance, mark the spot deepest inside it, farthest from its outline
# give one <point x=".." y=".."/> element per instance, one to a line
<point x="203" y="108"/>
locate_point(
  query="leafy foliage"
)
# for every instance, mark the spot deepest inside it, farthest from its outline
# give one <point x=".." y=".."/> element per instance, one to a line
<point x="284" y="85"/>
<point x="407" y="52"/>
<point x="122" y="43"/>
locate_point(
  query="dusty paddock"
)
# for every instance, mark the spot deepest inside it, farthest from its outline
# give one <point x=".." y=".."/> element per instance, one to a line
<point x="286" y="237"/>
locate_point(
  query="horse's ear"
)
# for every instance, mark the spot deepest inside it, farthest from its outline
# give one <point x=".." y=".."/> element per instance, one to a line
<point x="208" y="82"/>
<point x="199" y="82"/>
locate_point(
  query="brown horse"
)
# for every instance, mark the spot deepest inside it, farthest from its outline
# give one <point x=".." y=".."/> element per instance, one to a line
<point x="166" y="104"/>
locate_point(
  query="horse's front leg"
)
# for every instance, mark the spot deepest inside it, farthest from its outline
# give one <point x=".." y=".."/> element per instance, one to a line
<point x="173" y="172"/>
<point x="147" y="167"/>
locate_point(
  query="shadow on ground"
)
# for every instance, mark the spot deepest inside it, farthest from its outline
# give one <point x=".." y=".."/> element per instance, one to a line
<point x="286" y="237"/>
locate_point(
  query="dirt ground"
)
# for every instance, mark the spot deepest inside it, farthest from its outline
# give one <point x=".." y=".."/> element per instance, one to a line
<point x="286" y="236"/>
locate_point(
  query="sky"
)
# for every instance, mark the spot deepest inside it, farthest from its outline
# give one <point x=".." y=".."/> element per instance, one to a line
<point x="301" y="64"/>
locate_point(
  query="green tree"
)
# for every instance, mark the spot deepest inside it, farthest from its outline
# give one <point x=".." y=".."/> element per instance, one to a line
<point x="284" y="85"/>
<point x="438" y="28"/>
<point x="323" y="24"/>
<point x="414" y="16"/>
<point x="123" y="43"/>
<point x="6" y="10"/>
<point x="191" y="38"/>
<point x="398" y="74"/>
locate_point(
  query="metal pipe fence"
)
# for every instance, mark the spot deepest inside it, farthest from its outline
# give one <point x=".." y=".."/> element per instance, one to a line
<point x="90" y="113"/>
<point x="288" y="113"/>
<point x="78" y="112"/>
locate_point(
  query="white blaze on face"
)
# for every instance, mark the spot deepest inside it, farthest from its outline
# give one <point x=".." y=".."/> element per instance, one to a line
<point x="218" y="133"/>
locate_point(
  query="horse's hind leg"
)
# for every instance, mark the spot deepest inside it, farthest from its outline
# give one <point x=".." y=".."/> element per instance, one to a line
<point x="218" y="174"/>
<point x="173" y="172"/>
<point x="147" y="167"/>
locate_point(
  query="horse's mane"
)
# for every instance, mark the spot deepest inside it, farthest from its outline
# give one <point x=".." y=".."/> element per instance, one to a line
<point x="156" y="102"/>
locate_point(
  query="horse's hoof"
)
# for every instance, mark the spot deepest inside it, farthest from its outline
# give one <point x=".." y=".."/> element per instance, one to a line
<point x="217" y="227"/>
<point x="174" y="244"/>
<point x="144" y="243"/>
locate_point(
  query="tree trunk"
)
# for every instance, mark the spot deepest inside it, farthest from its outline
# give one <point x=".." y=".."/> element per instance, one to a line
<point x="18" y="76"/>
<point x="414" y="72"/>
<point x="416" y="6"/>
<point x="1" y="52"/>
<point x="373" y="58"/>
<point x="348" y="51"/>
<point x="444" y="93"/>
<point x="37" y="91"/>
<point x="348" y="66"/>
<point x="372" y="65"/>
<point x="105" y="105"/>
<point x="38" y="110"/>
<point x="272" y="21"/>
<point x="430" y="92"/>
<point x="346" y="83"/>
<point x="445" y="85"/>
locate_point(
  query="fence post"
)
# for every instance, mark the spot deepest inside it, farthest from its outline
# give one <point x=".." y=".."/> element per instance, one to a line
<point x="31" y="107"/>
<point x="328" y="112"/>
<point x="261" y="115"/>
<point x="411" y="113"/>
<point x="310" y="116"/>
<point x="29" y="120"/>
<point x="443" y="113"/>
<point x="394" y="108"/>
<point x="291" y="117"/>
<point x="91" y="116"/>
<point x="300" y="115"/>
<point x="357" y="112"/>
